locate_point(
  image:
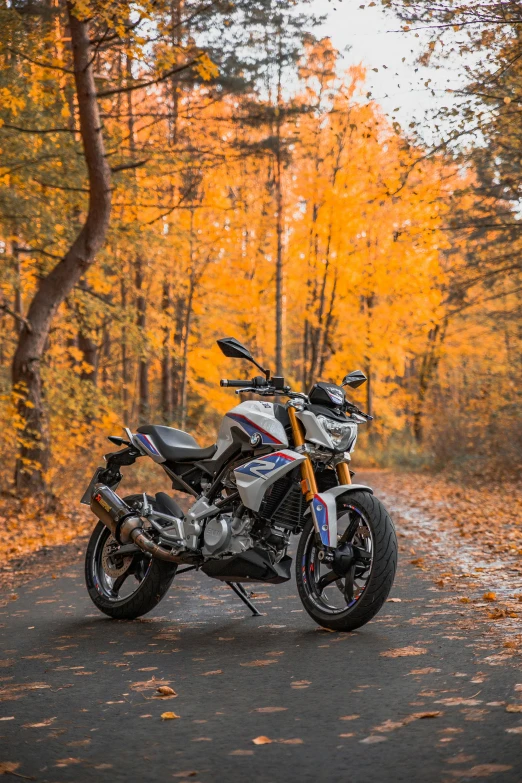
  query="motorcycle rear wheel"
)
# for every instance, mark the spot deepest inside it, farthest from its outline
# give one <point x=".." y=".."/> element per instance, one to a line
<point x="124" y="588"/>
<point x="329" y="599"/>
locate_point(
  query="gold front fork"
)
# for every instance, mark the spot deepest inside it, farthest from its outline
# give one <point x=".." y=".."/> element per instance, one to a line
<point x="343" y="473"/>
<point x="308" y="482"/>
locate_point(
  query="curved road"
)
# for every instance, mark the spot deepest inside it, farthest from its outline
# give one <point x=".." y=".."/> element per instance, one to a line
<point x="407" y="698"/>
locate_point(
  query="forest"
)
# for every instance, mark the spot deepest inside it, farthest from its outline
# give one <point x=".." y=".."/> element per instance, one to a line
<point x="175" y="171"/>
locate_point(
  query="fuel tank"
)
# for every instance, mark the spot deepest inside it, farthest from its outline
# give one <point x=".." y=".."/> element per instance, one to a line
<point x="255" y="418"/>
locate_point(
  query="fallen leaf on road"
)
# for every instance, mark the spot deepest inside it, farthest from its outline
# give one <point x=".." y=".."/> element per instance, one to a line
<point x="515" y="730"/>
<point x="460" y="759"/>
<point x="216" y="671"/>
<point x="264" y="662"/>
<point x="514" y="708"/>
<point x="351" y="734"/>
<point x="262" y="741"/>
<point x="300" y="683"/>
<point x="372" y="740"/>
<point x="169" y="716"/>
<point x="290" y="741"/>
<point x="8" y="717"/>
<point x="394" y="600"/>
<point x="480" y="771"/>
<point x="401" y="652"/>
<point x="8" y="766"/>
<point x="391" y="725"/>
<point x="270" y="709"/>
<point x="455" y="701"/>
<point x="490" y="596"/>
<point x="427" y="670"/>
<point x="40" y="725"/>
<point x="349" y="717"/>
<point x="165" y="692"/>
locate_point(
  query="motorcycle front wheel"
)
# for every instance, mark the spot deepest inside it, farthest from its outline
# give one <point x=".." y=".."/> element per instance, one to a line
<point x="346" y="602"/>
<point x="127" y="587"/>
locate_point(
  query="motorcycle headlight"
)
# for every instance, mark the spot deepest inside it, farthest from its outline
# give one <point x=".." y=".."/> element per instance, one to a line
<point x="342" y="433"/>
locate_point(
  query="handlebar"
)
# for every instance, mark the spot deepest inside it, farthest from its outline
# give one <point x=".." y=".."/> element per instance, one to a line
<point x="240" y="384"/>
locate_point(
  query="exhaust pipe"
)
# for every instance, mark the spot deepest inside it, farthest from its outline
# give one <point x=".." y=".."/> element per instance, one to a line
<point x="125" y="525"/>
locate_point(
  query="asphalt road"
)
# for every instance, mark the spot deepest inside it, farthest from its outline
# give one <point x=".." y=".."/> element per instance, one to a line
<point x="79" y="691"/>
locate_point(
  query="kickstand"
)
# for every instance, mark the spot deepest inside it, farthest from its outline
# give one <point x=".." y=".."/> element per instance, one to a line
<point x="240" y="591"/>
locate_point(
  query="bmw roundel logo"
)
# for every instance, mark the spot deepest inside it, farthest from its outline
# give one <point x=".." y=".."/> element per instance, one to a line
<point x="255" y="439"/>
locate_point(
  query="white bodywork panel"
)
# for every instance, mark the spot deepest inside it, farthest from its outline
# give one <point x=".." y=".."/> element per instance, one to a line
<point x="253" y="417"/>
<point x="254" y="478"/>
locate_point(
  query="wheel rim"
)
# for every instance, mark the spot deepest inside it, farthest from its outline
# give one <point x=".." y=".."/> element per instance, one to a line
<point x="329" y="592"/>
<point x="117" y="579"/>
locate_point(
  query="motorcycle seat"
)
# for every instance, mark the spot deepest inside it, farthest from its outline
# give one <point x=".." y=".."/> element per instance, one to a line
<point x="176" y="445"/>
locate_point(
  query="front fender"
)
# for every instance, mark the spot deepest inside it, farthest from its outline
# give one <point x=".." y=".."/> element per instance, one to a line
<point x="324" y="511"/>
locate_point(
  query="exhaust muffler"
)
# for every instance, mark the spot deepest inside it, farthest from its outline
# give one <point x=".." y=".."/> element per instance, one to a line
<point x="125" y="525"/>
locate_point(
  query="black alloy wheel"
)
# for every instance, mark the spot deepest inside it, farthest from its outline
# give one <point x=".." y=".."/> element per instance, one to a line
<point x="128" y="586"/>
<point x="345" y="597"/>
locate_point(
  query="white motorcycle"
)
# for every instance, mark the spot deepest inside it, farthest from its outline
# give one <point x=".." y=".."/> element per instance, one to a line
<point x="275" y="470"/>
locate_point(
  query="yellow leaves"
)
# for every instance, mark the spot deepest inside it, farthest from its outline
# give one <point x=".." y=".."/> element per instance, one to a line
<point x="489" y="596"/>
<point x="514" y="708"/>
<point x="205" y="67"/>
<point x="169" y="716"/>
<point x="10" y="101"/>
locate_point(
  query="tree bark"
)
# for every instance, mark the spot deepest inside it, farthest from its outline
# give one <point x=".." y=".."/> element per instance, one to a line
<point x="143" y="366"/>
<point x="90" y="356"/>
<point x="33" y="454"/>
<point x="279" y="357"/>
<point x="124" y="357"/>
<point x="166" y="375"/>
<point x="430" y="362"/>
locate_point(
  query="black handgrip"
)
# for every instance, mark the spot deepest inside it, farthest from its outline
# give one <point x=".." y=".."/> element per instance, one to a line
<point x="239" y="384"/>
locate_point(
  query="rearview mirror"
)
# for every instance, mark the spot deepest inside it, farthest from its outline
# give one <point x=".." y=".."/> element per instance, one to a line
<point x="354" y="379"/>
<point x="234" y="349"/>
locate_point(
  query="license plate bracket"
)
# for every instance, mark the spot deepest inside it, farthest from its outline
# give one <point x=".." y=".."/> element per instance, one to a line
<point x="87" y="495"/>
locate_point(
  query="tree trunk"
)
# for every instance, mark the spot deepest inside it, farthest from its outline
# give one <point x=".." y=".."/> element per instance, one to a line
<point x="184" y="368"/>
<point x="279" y="224"/>
<point x="143" y="366"/>
<point x="429" y="364"/>
<point x="124" y="357"/>
<point x="33" y="453"/>
<point x="166" y="376"/>
<point x="176" y="362"/>
<point x="90" y="357"/>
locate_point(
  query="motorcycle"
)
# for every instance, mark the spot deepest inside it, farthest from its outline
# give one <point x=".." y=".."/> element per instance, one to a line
<point x="276" y="470"/>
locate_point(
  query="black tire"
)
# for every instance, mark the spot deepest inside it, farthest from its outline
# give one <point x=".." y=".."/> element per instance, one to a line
<point x="381" y="576"/>
<point x="154" y="578"/>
